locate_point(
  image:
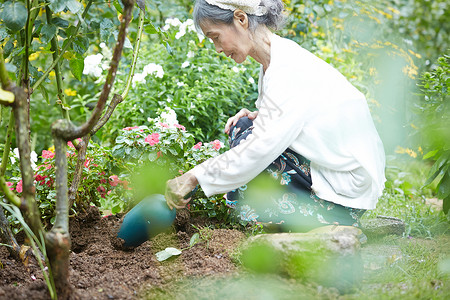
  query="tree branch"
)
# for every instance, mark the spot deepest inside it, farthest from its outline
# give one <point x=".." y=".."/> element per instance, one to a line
<point x="59" y="85"/>
<point x="84" y="129"/>
<point x="62" y="209"/>
<point x="23" y="143"/>
<point x="7" y="236"/>
<point x="4" y="77"/>
<point x="10" y="195"/>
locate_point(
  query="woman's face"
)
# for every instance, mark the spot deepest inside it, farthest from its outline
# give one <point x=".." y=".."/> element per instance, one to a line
<point x="233" y="40"/>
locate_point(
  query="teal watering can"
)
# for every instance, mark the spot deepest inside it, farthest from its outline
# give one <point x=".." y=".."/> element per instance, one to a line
<point x="148" y="218"/>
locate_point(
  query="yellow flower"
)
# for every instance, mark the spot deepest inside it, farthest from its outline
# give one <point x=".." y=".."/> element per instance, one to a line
<point x="70" y="92"/>
<point x="410" y="71"/>
<point x="372" y="71"/>
<point x="393" y="10"/>
<point x="420" y="150"/>
<point x="51" y="74"/>
<point x="325" y="49"/>
<point x="33" y="56"/>
<point x="415" y="54"/>
<point x="52" y="149"/>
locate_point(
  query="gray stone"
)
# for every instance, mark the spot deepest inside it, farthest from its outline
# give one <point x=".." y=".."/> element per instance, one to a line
<point x="329" y="256"/>
<point x="383" y="226"/>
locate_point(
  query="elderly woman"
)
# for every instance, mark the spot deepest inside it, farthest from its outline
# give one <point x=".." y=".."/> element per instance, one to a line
<point x="312" y="130"/>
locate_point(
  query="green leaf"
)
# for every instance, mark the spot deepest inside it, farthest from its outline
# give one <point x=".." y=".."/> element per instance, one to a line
<point x="76" y="67"/>
<point x="14" y="15"/>
<point x="74" y="6"/>
<point x="436" y="169"/>
<point x="60" y="22"/>
<point x="118" y="6"/>
<point x="3" y="34"/>
<point x="444" y="186"/>
<point x="430" y="154"/>
<point x="106" y="27"/>
<point x="167" y="253"/>
<point x="80" y="45"/>
<point x="194" y="239"/>
<point x="48" y="32"/>
<point x="44" y="94"/>
<point x="57" y="5"/>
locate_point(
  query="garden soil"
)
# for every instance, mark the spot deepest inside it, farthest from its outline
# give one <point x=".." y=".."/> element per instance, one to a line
<point x="100" y="269"/>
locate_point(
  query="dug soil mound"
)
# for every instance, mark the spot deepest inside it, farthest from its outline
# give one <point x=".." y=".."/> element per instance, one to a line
<point x="100" y="270"/>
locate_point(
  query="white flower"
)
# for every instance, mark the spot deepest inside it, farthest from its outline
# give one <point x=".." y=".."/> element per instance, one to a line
<point x="199" y="95"/>
<point x="154" y="69"/>
<point x="169" y="116"/>
<point x="251" y="80"/>
<point x="190" y="54"/>
<point x="92" y="65"/>
<point x="102" y="45"/>
<point x="173" y="22"/>
<point x="235" y="69"/>
<point x="180" y="84"/>
<point x="180" y="34"/>
<point x="33" y="158"/>
<point x="138" y="78"/>
<point x="200" y="69"/>
<point x="185" y="64"/>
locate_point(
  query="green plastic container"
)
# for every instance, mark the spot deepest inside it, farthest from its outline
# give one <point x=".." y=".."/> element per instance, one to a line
<point x="148" y="218"/>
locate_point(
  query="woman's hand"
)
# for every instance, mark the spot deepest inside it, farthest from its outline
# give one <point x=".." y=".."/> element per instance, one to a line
<point x="179" y="187"/>
<point x="242" y="113"/>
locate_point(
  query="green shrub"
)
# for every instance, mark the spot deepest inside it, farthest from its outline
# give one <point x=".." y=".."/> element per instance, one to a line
<point x="203" y="88"/>
<point x="434" y="117"/>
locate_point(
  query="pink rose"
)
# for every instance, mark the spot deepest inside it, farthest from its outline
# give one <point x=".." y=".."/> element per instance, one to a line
<point x="47" y="154"/>
<point x="163" y="125"/>
<point x="70" y="144"/>
<point x="114" y="180"/>
<point x="19" y="185"/>
<point x="216" y="144"/>
<point x="180" y="126"/>
<point x="198" y="145"/>
<point x="152" y="139"/>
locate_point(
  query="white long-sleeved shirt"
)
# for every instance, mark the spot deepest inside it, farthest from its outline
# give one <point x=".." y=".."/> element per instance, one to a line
<point x="308" y="106"/>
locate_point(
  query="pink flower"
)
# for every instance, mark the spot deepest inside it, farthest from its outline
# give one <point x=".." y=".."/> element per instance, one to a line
<point x="47" y="154"/>
<point x="163" y="125"/>
<point x="180" y="126"/>
<point x="130" y="128"/>
<point x="70" y="144"/>
<point x="198" y="145"/>
<point x="101" y="189"/>
<point x="10" y="184"/>
<point x="87" y="162"/>
<point x="216" y="144"/>
<point x="103" y="181"/>
<point x="19" y="185"/>
<point x="152" y="139"/>
<point x="114" y="180"/>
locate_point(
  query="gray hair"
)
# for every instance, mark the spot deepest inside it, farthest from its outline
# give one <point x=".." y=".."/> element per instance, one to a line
<point x="273" y="19"/>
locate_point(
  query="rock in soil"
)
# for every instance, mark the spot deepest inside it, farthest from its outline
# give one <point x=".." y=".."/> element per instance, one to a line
<point x="329" y="257"/>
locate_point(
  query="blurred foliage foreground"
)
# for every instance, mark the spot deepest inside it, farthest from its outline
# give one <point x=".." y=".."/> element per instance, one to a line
<point x="182" y="92"/>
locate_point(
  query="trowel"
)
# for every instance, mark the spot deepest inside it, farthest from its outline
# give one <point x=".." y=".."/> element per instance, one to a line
<point x="148" y="218"/>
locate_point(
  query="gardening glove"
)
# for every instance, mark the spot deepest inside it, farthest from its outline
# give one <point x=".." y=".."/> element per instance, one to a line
<point x="178" y="188"/>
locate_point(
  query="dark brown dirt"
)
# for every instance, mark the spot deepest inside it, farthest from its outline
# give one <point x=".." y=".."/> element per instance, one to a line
<point x="100" y="270"/>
